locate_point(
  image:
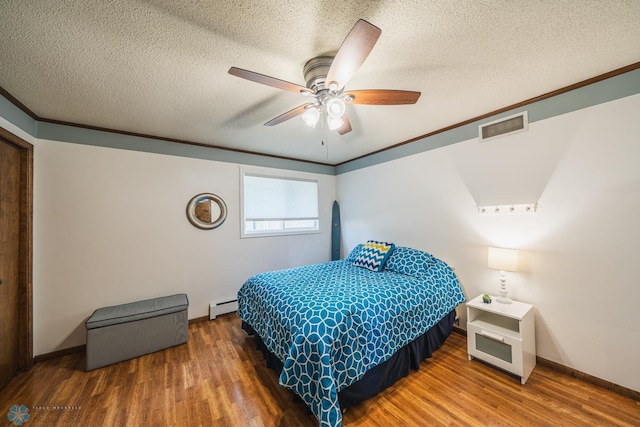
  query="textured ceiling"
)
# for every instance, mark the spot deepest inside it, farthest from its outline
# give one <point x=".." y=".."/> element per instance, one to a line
<point x="160" y="67"/>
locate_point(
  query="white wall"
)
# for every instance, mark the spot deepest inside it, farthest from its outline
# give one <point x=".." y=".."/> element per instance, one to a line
<point x="110" y="227"/>
<point x="580" y="253"/>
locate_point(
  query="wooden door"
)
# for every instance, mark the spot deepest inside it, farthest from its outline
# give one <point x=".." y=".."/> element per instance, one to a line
<point x="16" y="253"/>
<point x="9" y="260"/>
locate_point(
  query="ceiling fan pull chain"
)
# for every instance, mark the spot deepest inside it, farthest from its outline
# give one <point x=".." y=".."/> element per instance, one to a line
<point x="322" y="136"/>
<point x="327" y="151"/>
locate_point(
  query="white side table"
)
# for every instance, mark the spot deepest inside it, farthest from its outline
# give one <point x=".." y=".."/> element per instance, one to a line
<point x="502" y="335"/>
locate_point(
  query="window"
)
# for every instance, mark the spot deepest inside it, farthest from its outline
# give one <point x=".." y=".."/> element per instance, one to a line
<point x="277" y="205"/>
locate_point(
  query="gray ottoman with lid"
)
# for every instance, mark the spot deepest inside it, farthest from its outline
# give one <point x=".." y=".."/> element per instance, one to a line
<point x="126" y="331"/>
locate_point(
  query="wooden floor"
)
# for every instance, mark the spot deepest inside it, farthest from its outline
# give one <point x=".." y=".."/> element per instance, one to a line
<point x="219" y="379"/>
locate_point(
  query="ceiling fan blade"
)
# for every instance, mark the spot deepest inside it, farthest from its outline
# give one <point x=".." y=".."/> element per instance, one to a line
<point x="346" y="126"/>
<point x="288" y="115"/>
<point x="269" y="81"/>
<point x="382" y="97"/>
<point x="352" y="53"/>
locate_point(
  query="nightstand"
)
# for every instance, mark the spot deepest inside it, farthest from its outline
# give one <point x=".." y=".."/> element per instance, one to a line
<point x="502" y="335"/>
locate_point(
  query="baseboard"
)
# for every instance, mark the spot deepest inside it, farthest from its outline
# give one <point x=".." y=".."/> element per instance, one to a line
<point x="206" y="318"/>
<point x="198" y="319"/>
<point x="626" y="392"/>
<point x="59" y="353"/>
<point x="82" y="348"/>
<point x="459" y="330"/>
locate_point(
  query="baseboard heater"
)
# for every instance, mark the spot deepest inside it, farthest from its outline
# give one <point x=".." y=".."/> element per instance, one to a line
<point x="217" y="308"/>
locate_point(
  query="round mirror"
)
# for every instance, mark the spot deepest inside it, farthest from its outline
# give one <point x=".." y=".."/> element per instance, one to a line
<point x="206" y="211"/>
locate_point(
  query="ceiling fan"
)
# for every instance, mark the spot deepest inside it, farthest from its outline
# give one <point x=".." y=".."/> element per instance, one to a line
<point x="326" y="77"/>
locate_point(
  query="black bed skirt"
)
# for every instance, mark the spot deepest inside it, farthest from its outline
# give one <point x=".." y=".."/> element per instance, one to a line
<point x="385" y="374"/>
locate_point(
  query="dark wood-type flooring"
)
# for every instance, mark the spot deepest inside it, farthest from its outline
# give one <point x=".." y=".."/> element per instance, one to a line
<point x="219" y="379"/>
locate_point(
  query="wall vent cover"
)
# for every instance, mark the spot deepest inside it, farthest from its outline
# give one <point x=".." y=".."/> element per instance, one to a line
<point x="505" y="126"/>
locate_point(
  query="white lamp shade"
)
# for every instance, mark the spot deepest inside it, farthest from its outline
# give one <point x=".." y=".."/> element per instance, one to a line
<point x="503" y="259"/>
<point x="335" y="108"/>
<point x="311" y="116"/>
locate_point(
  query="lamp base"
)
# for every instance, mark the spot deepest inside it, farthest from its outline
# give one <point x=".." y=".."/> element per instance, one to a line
<point x="503" y="298"/>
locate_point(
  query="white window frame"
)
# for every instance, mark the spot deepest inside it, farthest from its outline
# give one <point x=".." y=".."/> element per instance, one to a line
<point x="282" y="229"/>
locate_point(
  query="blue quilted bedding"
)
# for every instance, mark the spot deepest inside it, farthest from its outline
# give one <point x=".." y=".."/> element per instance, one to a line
<point x="330" y="323"/>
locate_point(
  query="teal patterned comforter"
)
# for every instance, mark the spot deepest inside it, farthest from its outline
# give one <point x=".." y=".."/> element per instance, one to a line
<point x="330" y="323"/>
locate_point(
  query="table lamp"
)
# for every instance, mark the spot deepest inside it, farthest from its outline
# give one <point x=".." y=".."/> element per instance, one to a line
<point x="503" y="260"/>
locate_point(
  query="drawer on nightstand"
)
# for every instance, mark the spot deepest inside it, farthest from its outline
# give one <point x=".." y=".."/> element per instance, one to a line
<point x="501" y="350"/>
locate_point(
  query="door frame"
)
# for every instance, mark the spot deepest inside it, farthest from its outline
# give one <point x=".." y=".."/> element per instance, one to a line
<point x="25" y="269"/>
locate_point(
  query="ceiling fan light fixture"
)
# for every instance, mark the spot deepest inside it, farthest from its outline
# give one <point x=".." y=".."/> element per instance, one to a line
<point x="334" y="122"/>
<point x="326" y="78"/>
<point x="311" y="116"/>
<point x="335" y="108"/>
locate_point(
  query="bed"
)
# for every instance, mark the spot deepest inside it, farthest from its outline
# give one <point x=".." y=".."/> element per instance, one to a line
<point x="342" y="330"/>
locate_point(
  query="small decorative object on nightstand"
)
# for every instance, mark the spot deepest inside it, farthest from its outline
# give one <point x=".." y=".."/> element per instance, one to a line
<point x="502" y="335"/>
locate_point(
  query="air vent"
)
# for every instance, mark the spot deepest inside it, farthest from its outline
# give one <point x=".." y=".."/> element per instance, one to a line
<point x="506" y="126"/>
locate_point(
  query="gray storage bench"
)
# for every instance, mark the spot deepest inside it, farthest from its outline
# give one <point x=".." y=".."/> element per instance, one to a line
<point x="126" y="331"/>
